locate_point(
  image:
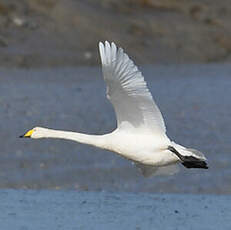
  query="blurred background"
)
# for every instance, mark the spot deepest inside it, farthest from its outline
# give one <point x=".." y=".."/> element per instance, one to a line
<point x="50" y="76"/>
<point x="42" y="33"/>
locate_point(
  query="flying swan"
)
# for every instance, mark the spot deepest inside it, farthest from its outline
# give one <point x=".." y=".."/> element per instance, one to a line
<point x="140" y="135"/>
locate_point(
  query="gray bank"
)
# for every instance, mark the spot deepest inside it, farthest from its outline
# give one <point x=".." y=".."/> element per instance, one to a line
<point x="194" y="100"/>
<point x="40" y="210"/>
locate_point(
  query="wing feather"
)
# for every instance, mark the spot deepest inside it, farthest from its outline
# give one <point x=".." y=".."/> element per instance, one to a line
<point x="128" y="92"/>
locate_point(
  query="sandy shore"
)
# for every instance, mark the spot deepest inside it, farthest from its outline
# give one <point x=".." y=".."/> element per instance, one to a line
<point x="51" y="33"/>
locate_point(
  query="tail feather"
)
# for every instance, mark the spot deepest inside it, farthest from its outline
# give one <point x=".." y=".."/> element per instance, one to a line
<point x="190" y="158"/>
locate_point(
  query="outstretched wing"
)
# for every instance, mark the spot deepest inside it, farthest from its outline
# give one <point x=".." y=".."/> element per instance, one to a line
<point x="128" y="92"/>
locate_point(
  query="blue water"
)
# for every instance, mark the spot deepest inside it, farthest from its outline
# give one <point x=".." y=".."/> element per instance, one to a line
<point x="40" y="210"/>
<point x="194" y="100"/>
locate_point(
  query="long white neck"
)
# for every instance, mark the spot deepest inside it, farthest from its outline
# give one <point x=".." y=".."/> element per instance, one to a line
<point x="99" y="141"/>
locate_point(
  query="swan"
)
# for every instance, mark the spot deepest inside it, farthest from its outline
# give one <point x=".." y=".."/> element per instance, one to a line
<point x="140" y="135"/>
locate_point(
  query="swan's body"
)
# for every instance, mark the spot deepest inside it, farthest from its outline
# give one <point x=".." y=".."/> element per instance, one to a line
<point x="141" y="134"/>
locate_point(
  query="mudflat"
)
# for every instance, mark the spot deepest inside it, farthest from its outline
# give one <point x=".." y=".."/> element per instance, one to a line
<point x="45" y="33"/>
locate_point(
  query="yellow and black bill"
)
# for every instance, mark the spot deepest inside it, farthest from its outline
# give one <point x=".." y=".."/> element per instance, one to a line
<point x="27" y="134"/>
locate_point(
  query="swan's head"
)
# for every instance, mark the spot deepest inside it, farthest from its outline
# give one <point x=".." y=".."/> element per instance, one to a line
<point x="35" y="133"/>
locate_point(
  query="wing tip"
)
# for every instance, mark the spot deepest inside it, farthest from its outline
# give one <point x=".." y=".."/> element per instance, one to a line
<point x="107" y="43"/>
<point x="100" y="44"/>
<point x="107" y="51"/>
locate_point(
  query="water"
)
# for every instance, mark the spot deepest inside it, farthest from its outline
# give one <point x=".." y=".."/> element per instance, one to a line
<point x="102" y="210"/>
<point x="194" y="100"/>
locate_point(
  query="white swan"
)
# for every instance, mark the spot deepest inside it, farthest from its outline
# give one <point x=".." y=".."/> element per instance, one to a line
<point x="141" y="134"/>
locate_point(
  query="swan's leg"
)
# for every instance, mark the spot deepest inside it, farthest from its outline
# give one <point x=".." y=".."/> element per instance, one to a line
<point x="189" y="161"/>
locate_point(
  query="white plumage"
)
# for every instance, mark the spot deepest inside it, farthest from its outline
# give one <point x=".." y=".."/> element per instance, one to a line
<point x="141" y="134"/>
